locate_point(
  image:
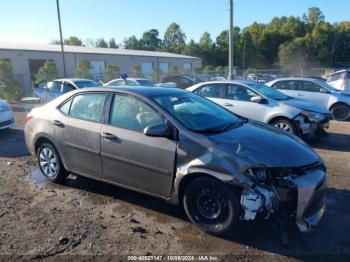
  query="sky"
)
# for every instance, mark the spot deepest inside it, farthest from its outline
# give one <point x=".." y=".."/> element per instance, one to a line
<point x="35" y="21"/>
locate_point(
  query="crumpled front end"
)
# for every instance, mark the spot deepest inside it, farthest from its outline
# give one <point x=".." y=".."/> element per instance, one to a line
<point x="298" y="193"/>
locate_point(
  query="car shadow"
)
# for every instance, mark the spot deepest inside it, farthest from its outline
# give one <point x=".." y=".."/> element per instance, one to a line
<point x="12" y="143"/>
<point x="328" y="241"/>
<point x="333" y="141"/>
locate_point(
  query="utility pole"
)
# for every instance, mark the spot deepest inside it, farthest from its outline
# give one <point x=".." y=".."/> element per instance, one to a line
<point x="243" y="62"/>
<point x="61" y="38"/>
<point x="230" y="58"/>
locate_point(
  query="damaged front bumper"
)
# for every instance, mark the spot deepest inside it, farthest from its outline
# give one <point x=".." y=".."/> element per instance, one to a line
<point x="302" y="195"/>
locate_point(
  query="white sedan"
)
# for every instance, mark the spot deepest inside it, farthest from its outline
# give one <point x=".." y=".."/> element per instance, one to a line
<point x="6" y="115"/>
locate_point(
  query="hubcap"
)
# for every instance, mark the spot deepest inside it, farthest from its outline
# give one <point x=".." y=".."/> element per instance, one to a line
<point x="48" y="162"/>
<point x="210" y="203"/>
<point x="284" y="126"/>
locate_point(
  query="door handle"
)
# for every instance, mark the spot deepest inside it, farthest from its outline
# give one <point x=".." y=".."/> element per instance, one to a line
<point x="228" y="104"/>
<point x="109" y="136"/>
<point x="57" y="123"/>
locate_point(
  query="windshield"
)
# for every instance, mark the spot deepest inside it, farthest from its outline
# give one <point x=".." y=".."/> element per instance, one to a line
<point x="84" y="84"/>
<point x="146" y="82"/>
<point x="268" y="91"/>
<point x="197" y="113"/>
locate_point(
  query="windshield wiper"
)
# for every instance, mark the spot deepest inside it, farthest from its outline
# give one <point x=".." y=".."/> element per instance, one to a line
<point x="222" y="128"/>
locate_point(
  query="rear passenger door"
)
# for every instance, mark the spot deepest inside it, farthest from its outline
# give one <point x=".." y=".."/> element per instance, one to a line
<point x="76" y="126"/>
<point x="131" y="158"/>
<point x="287" y="87"/>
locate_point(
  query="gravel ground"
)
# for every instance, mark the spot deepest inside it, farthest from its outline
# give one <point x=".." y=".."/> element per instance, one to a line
<point x="86" y="219"/>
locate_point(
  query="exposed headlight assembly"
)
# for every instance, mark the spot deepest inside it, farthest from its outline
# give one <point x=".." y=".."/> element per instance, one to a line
<point x="313" y="116"/>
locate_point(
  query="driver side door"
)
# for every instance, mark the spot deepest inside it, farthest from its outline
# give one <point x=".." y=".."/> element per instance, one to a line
<point x="132" y="159"/>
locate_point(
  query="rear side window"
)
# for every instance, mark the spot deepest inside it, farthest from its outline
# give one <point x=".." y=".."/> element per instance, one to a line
<point x="285" y="85"/>
<point x="65" y="107"/>
<point x="213" y="90"/>
<point x="88" y="106"/>
<point x="54" y="86"/>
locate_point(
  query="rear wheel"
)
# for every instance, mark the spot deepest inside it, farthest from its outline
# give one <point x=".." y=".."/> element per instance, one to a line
<point x="340" y="112"/>
<point x="211" y="206"/>
<point x="50" y="163"/>
<point x="285" y="125"/>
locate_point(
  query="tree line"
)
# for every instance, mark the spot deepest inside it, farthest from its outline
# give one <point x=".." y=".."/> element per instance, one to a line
<point x="284" y="42"/>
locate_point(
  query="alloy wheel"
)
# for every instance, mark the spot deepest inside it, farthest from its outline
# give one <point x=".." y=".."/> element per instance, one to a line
<point x="48" y="162"/>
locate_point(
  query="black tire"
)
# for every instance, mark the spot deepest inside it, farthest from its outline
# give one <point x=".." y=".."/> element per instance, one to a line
<point x="218" y="222"/>
<point x="340" y="112"/>
<point x="56" y="175"/>
<point x="285" y="125"/>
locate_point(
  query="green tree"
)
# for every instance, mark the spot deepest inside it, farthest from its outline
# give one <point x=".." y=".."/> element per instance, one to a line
<point x="174" y="39"/>
<point x="314" y="16"/>
<point x="193" y="49"/>
<point x="132" y="43"/>
<point x="137" y="71"/>
<point x="47" y="72"/>
<point x="112" y="43"/>
<point x="9" y="87"/>
<point x="173" y="69"/>
<point x="101" y="43"/>
<point x="111" y="72"/>
<point x="156" y="74"/>
<point x="83" y="68"/>
<point x="209" y="69"/>
<point x="292" y="55"/>
<point x="150" y="40"/>
<point x="74" y="41"/>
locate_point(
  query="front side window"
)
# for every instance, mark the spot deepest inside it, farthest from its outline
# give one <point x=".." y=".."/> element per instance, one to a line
<point x="284" y="85"/>
<point x="309" y="86"/>
<point x="239" y="93"/>
<point x="131" y="113"/>
<point x="196" y="113"/>
<point x="213" y="90"/>
<point x="268" y="91"/>
<point x="88" y="106"/>
<point x="54" y="86"/>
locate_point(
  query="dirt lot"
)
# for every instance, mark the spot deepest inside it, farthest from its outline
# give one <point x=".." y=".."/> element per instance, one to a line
<point x="88" y="219"/>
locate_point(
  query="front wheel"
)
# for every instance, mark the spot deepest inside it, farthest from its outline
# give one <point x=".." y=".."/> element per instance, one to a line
<point x="211" y="205"/>
<point x="50" y="163"/>
<point x="285" y="125"/>
<point x="341" y="112"/>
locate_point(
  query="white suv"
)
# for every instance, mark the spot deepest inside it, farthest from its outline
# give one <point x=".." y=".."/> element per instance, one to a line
<point x="340" y="80"/>
<point x="318" y="92"/>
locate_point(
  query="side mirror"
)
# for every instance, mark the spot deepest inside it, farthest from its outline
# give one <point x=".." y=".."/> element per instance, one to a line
<point x="259" y="100"/>
<point x="324" y="90"/>
<point x="158" y="130"/>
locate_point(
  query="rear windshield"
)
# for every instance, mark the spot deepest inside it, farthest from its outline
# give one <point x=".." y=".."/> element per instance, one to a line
<point x="84" y="84"/>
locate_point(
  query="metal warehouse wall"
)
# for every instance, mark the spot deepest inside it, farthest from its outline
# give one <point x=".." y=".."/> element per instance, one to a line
<point x="20" y="62"/>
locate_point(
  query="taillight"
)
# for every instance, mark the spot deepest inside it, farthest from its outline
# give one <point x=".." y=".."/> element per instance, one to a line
<point x="29" y="116"/>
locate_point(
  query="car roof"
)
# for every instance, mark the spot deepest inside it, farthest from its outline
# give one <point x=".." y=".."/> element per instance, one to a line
<point x="146" y="91"/>
<point x="340" y="71"/>
<point x="73" y="79"/>
<point x="130" y="78"/>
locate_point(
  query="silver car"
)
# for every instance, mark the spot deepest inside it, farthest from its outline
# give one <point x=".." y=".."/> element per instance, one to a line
<point x="183" y="148"/>
<point x="318" y="92"/>
<point x="49" y="90"/>
<point x="130" y="82"/>
<point x="6" y="115"/>
<point x="259" y="102"/>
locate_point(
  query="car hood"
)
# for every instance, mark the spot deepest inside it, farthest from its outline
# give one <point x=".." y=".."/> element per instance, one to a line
<point x="258" y="144"/>
<point x="305" y="105"/>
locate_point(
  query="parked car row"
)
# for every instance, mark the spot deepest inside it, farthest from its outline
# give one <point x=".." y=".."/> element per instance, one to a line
<point x="178" y="146"/>
<point x="6" y="115"/>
